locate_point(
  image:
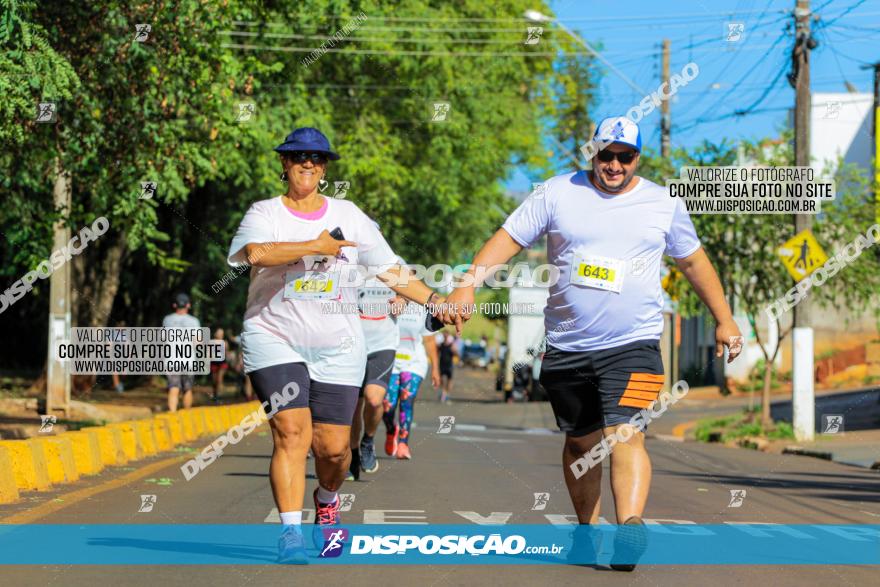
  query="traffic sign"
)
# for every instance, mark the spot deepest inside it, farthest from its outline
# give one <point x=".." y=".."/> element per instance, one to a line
<point x="802" y="254"/>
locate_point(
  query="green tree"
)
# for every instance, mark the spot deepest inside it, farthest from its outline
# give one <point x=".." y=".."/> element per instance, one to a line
<point x="165" y="110"/>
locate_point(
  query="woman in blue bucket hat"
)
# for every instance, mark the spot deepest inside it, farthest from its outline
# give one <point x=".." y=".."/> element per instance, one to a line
<point x="302" y="340"/>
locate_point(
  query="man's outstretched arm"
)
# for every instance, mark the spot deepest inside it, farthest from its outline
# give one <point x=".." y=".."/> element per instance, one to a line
<point x="498" y="250"/>
<point x="698" y="270"/>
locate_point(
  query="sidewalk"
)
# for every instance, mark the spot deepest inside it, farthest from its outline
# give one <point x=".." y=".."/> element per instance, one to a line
<point x="856" y="447"/>
<point x="860" y="448"/>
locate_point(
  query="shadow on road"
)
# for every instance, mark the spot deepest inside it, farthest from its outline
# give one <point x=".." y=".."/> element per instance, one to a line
<point x="213" y="549"/>
<point x="235" y="474"/>
<point x="844" y="490"/>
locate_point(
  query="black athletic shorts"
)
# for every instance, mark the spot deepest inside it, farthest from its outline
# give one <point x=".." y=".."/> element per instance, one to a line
<point x="590" y="390"/>
<point x="446" y="370"/>
<point x="330" y="403"/>
<point x="379" y="367"/>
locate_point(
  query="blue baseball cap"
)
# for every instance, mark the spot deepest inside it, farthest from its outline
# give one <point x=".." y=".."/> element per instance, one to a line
<point x="307" y="139"/>
<point x="619" y="129"/>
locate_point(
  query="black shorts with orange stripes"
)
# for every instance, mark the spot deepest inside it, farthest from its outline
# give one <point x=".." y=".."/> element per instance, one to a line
<point x="590" y="390"/>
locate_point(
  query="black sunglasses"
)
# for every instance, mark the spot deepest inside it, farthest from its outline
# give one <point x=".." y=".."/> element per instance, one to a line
<point x="625" y="158"/>
<point x="303" y="156"/>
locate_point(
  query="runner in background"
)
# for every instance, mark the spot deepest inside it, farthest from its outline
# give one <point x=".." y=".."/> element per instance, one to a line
<point x="236" y="363"/>
<point x="115" y="377"/>
<point x="375" y="304"/>
<point x="178" y="382"/>
<point x="417" y="349"/>
<point x="447" y="353"/>
<point x="219" y="368"/>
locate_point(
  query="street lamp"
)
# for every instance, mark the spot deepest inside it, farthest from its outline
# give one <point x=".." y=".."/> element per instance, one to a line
<point x="535" y="16"/>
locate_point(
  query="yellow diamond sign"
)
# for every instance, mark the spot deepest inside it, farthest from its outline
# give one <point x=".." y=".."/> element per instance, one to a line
<point x="802" y="254"/>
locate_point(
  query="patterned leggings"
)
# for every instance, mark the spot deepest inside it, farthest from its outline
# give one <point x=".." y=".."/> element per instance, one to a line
<point x="405" y="386"/>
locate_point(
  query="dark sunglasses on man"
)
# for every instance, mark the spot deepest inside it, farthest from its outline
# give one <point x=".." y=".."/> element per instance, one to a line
<point x="625" y="158"/>
<point x="301" y="157"/>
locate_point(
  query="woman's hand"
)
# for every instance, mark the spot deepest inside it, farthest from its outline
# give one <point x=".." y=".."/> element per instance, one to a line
<point x="397" y="305"/>
<point x="327" y="245"/>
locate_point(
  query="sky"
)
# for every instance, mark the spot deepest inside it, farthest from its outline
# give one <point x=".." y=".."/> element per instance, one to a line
<point x="747" y="74"/>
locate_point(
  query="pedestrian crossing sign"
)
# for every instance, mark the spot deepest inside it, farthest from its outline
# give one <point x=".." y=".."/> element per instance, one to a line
<point x="802" y="254"/>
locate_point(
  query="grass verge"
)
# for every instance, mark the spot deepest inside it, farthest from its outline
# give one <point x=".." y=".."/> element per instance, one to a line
<point x="736" y="427"/>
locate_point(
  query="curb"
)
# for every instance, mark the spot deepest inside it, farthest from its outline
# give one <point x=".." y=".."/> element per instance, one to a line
<point x="808" y="452"/>
<point x="681" y="430"/>
<point x="42" y="463"/>
<point x="8" y="486"/>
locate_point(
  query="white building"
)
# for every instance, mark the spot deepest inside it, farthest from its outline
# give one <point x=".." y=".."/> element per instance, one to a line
<point x="840" y="125"/>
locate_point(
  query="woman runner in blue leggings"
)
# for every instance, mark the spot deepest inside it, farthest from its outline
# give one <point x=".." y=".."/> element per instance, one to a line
<point x="416" y="348"/>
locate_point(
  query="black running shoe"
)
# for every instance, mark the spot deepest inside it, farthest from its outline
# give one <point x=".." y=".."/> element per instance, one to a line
<point x="630" y="543"/>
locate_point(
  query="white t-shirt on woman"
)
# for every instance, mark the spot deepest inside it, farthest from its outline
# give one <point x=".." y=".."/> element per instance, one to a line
<point x="374" y="308"/>
<point x="411" y="355"/>
<point x="293" y="311"/>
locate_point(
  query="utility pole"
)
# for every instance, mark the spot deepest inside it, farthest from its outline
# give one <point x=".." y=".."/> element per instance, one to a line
<point x="876" y="113"/>
<point x="665" y="120"/>
<point x="58" y="373"/>
<point x="803" y="398"/>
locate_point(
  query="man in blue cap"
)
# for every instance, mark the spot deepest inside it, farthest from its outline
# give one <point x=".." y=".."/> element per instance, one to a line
<point x="607" y="231"/>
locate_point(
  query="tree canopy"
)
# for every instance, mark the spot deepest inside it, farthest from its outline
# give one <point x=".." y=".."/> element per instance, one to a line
<point x="164" y="104"/>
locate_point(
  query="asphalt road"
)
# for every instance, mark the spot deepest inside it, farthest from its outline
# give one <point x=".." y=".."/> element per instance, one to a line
<point x="485" y="469"/>
<point x="860" y="409"/>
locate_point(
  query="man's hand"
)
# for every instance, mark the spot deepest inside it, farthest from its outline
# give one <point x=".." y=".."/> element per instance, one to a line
<point x="438" y="307"/>
<point x="435" y="377"/>
<point x="327" y="245"/>
<point x="457" y="309"/>
<point x="727" y="334"/>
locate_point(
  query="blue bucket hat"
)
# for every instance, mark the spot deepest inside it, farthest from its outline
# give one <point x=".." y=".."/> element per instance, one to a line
<point x="307" y="139"/>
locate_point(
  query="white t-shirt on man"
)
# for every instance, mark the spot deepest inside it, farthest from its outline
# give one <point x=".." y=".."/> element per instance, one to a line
<point x="175" y="320"/>
<point x="608" y="249"/>
<point x="293" y="311"/>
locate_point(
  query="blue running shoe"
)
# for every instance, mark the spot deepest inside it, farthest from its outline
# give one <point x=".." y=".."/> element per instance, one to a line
<point x="291" y="547"/>
<point x="369" y="463"/>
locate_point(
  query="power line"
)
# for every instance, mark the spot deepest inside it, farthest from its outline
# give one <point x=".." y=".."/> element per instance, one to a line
<point x="650" y="23"/>
<point x="830" y="45"/>
<point x="397" y="52"/>
<point x="842" y="14"/>
<point x="452" y="41"/>
<point x="740" y="48"/>
<point x="446" y="40"/>
<point x="743" y="78"/>
<point x="761" y="98"/>
<point x="649" y="17"/>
